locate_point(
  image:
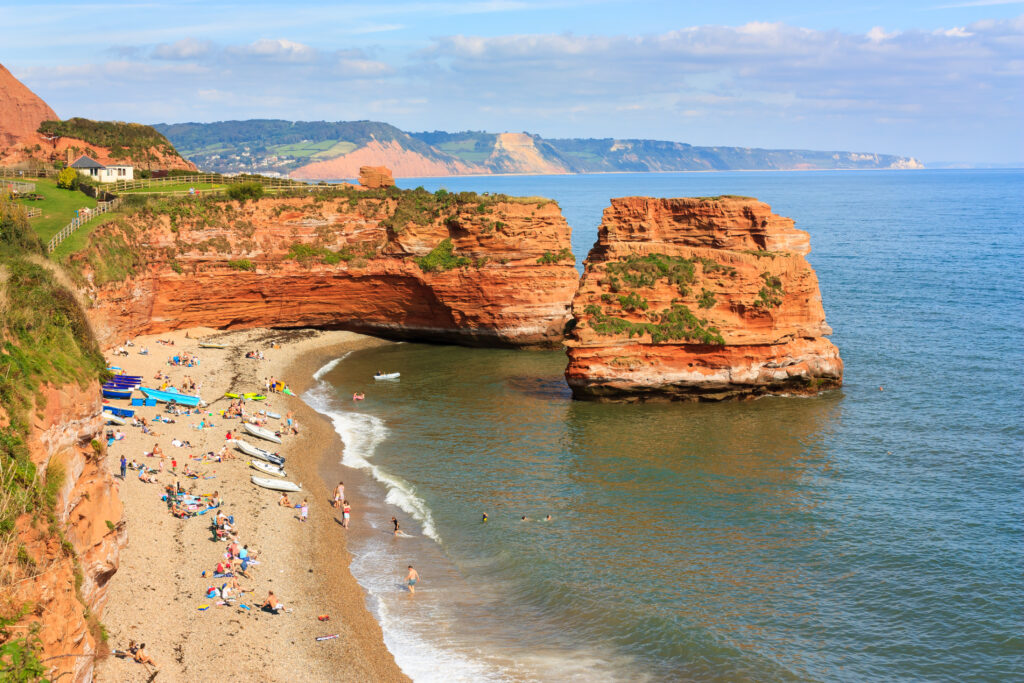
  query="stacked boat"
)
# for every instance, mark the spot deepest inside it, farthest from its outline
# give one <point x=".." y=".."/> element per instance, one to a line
<point x="121" y="386"/>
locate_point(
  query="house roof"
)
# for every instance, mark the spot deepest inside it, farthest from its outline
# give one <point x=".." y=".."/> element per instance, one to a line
<point x="86" y="162"/>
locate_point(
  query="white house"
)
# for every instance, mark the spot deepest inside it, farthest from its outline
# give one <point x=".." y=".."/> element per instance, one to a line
<point x="88" y="166"/>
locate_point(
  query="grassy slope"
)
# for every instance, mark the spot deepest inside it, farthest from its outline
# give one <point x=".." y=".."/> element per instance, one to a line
<point x="44" y="337"/>
<point x="58" y="207"/>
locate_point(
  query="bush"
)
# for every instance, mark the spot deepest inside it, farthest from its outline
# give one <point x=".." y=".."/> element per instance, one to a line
<point x="442" y="258"/>
<point x="242" y="264"/>
<point x="68" y="179"/>
<point x="243" y="191"/>
<point x="550" y="258"/>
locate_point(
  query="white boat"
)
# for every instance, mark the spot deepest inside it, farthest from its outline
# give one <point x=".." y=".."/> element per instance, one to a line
<point x="114" y="419"/>
<point x="261" y="433"/>
<point x="388" y="375"/>
<point x="267" y="468"/>
<point x="256" y="452"/>
<point x="272" y="416"/>
<point x="276" y="484"/>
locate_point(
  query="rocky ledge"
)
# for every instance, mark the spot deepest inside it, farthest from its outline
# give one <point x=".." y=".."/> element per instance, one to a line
<point x="705" y="298"/>
<point x="469" y="269"/>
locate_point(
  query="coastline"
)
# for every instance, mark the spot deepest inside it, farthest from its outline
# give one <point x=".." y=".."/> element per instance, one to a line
<point x="156" y="594"/>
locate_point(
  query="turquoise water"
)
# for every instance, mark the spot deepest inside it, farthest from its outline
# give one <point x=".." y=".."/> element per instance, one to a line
<point x="860" y="535"/>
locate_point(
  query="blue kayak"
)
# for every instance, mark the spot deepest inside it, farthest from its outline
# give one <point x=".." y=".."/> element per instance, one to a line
<point x="171" y="396"/>
<point x="117" y="393"/>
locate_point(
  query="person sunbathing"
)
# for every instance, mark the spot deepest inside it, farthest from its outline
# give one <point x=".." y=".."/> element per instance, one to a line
<point x="272" y="604"/>
<point x="157" y="451"/>
<point x="138" y="653"/>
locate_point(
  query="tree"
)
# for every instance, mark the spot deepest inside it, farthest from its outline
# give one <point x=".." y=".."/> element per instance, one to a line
<point x="68" y="179"/>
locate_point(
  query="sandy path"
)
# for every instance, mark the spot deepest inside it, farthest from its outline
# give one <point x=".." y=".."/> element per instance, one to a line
<point x="155" y="595"/>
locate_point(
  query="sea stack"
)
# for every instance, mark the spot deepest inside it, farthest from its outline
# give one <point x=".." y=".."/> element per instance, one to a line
<point x="701" y="298"/>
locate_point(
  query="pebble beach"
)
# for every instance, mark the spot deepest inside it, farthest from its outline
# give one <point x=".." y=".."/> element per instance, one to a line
<point x="158" y="595"/>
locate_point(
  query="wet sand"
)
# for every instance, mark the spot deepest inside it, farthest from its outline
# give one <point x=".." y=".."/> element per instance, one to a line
<point x="156" y="594"/>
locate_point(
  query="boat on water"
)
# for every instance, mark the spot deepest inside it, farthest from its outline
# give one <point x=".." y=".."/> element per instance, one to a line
<point x="172" y="396"/>
<point x="212" y="345"/>
<point x="276" y="484"/>
<point x="117" y="393"/>
<point x="388" y="375"/>
<point x="267" y="468"/>
<point x="257" y="452"/>
<point x="261" y="433"/>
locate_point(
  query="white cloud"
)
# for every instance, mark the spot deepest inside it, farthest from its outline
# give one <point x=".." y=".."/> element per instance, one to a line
<point x="280" y="50"/>
<point x="186" y="48"/>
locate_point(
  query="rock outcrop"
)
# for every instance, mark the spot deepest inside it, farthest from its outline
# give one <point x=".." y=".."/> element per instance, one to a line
<point x="480" y="270"/>
<point x="21" y="111"/>
<point x="698" y="299"/>
<point x="64" y="587"/>
<point x="375" y="177"/>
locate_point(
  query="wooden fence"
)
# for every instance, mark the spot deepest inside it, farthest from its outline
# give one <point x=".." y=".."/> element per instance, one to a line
<point x="154" y="184"/>
<point x="83" y="217"/>
<point x="33" y="213"/>
<point x="9" y="172"/>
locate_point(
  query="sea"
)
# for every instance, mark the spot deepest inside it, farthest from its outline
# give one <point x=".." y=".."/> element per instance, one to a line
<point x="870" y="533"/>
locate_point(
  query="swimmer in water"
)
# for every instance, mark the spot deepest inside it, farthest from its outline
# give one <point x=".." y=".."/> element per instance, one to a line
<point x="394" y="521"/>
<point x="484" y="518"/>
<point x="524" y="519"/>
<point x="548" y="518"/>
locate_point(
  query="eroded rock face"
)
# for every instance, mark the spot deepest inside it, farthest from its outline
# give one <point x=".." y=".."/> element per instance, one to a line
<point x="375" y="177"/>
<point x="336" y="264"/>
<point x="21" y="110"/>
<point x="698" y="299"/>
<point x="90" y="512"/>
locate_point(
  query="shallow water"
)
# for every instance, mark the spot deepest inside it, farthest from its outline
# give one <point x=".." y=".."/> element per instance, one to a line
<point x="863" y="534"/>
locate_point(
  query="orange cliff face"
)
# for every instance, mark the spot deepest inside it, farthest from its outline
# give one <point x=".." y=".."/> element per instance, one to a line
<point x="21" y="111"/>
<point x="335" y="263"/>
<point x="698" y="299"/>
<point x="89" y="511"/>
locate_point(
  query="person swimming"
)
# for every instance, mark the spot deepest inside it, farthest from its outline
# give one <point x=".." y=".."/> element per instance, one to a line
<point x="484" y="519"/>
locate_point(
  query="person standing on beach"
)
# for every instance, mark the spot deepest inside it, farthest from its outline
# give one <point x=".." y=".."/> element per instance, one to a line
<point x="124" y="466"/>
<point x="339" y="494"/>
<point x="304" y="511"/>
<point x="346" y="513"/>
<point x="411" y="578"/>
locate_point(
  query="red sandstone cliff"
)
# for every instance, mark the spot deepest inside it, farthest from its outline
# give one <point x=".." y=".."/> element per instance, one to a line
<point x="307" y="262"/>
<point x="65" y="606"/>
<point x="698" y="299"/>
<point x="21" y="111"/>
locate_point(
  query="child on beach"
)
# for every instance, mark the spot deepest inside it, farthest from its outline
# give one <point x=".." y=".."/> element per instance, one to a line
<point x="339" y="494"/>
<point x="304" y="511"/>
<point x="346" y="513"/>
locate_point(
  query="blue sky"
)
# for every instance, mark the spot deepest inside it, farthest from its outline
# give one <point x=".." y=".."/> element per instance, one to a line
<point x="941" y="80"/>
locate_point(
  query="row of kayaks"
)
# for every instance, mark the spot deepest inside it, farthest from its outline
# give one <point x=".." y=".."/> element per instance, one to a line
<point x="251" y="396"/>
<point x="271" y="464"/>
